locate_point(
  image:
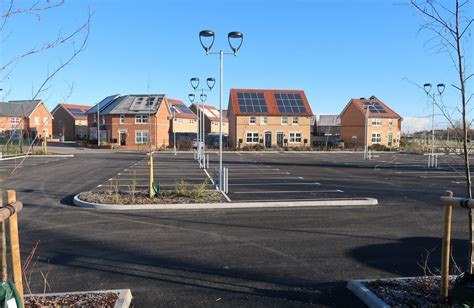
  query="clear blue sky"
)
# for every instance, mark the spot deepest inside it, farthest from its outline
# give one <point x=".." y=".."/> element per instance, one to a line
<point x="333" y="50"/>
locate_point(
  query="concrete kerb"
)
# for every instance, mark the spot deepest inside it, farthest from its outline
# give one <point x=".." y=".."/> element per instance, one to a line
<point x="123" y="301"/>
<point x="233" y="205"/>
<point x="45" y="156"/>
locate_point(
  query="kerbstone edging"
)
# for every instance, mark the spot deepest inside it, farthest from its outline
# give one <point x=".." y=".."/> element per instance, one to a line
<point x="358" y="287"/>
<point x="33" y="155"/>
<point x="123" y="301"/>
<point x="232" y="205"/>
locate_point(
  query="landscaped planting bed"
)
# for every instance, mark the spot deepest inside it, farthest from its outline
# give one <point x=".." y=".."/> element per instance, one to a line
<point x="104" y="300"/>
<point x="410" y="292"/>
<point x="165" y="197"/>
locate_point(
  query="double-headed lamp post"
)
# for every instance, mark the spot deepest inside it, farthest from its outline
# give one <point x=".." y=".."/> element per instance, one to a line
<point x="207" y="37"/>
<point x="427" y="87"/>
<point x="211" y="82"/>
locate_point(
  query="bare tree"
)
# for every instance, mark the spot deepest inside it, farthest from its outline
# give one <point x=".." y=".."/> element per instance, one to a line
<point x="77" y="39"/>
<point x="450" y="27"/>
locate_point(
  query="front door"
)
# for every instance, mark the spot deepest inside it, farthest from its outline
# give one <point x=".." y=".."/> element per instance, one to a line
<point x="280" y="139"/>
<point x="390" y="139"/>
<point x="268" y="139"/>
<point x="123" y="138"/>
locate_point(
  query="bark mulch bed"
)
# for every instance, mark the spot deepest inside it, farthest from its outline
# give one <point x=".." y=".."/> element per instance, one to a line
<point x="166" y="197"/>
<point x="102" y="300"/>
<point x="410" y="292"/>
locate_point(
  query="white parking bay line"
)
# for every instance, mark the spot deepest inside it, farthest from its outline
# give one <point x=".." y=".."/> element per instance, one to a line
<point x="274" y="184"/>
<point x="442" y="176"/>
<point x="289" y="191"/>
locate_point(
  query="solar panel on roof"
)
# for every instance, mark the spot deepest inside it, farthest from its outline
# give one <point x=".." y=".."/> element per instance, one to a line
<point x="76" y="112"/>
<point x="183" y="108"/>
<point x="142" y="103"/>
<point x="290" y="103"/>
<point x="252" y="102"/>
<point x="103" y="103"/>
<point x="375" y="107"/>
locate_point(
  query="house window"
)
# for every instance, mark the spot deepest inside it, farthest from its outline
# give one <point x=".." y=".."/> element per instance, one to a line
<point x="390" y="122"/>
<point x="295" y="137"/>
<point x="295" y="121"/>
<point x="95" y="117"/>
<point x="122" y="119"/>
<point x="224" y="123"/>
<point x="141" y="137"/>
<point x="192" y="121"/>
<point x="376" y="138"/>
<point x="263" y="120"/>
<point x="180" y="120"/>
<point x="252" y="137"/>
<point x="284" y="120"/>
<point x="141" y="119"/>
<point x="45" y="121"/>
<point x="376" y="121"/>
<point x="37" y="120"/>
<point x="15" y="121"/>
<point x="252" y="120"/>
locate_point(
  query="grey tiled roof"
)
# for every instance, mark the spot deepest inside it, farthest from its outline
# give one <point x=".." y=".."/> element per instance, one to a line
<point x="18" y="108"/>
<point x="129" y="104"/>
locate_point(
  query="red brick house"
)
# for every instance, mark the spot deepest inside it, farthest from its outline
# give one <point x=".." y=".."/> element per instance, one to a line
<point x="29" y="118"/>
<point x="131" y="122"/>
<point x="70" y="121"/>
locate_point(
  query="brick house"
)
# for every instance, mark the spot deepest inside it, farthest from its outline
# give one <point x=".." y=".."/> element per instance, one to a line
<point x="183" y="122"/>
<point x="131" y="122"/>
<point x="70" y="121"/>
<point x="271" y="118"/>
<point x="212" y="118"/>
<point x="384" y="124"/>
<point x="28" y="117"/>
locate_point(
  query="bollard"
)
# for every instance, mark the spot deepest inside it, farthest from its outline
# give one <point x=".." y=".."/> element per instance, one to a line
<point x="15" y="246"/>
<point x="151" y="192"/>
<point x="445" y="258"/>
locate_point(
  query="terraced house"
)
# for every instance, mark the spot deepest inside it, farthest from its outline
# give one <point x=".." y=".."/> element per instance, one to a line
<point x="131" y="122"/>
<point x="384" y="124"/>
<point x="184" y="124"/>
<point x="269" y="118"/>
<point x="25" y="118"/>
<point x="70" y="121"/>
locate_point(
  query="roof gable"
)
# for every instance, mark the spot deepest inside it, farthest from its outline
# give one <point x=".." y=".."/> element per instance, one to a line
<point x="359" y="103"/>
<point x="180" y="110"/>
<point x="269" y="102"/>
<point x="78" y="112"/>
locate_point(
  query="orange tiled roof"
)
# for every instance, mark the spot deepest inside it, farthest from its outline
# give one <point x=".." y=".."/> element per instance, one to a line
<point x="270" y="100"/>
<point x="82" y="108"/>
<point x="359" y="103"/>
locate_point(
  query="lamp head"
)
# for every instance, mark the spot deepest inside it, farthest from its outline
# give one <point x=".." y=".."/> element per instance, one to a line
<point x="207" y="37"/>
<point x="427" y="88"/>
<point x="440" y="87"/>
<point x="237" y="38"/>
<point x="191" y="97"/>
<point x="203" y="97"/>
<point x="211" y="82"/>
<point x="194" y="82"/>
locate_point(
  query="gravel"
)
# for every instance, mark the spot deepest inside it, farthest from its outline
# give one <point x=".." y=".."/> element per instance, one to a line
<point x="101" y="300"/>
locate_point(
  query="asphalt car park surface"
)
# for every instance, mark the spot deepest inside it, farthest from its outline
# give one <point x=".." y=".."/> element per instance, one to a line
<point x="248" y="257"/>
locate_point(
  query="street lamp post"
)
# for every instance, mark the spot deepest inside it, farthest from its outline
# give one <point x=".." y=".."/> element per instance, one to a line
<point x="201" y="130"/>
<point x="427" y="87"/>
<point x="174" y="129"/>
<point x="231" y="36"/>
<point x="366" y="146"/>
<point x="98" y="125"/>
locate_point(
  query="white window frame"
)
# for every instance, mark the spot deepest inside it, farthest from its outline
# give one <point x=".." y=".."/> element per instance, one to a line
<point x="142" y="134"/>
<point x="390" y="122"/>
<point x="122" y="119"/>
<point x="15" y="120"/>
<point x="376" y="121"/>
<point x="376" y="136"/>
<point x="37" y="120"/>
<point x="45" y="120"/>
<point x="252" y="120"/>
<point x="294" y="137"/>
<point x="180" y="120"/>
<point x="284" y="120"/>
<point x="293" y="122"/>
<point x="191" y="121"/>
<point x="252" y="136"/>
<point x="141" y="119"/>
<point x="263" y="120"/>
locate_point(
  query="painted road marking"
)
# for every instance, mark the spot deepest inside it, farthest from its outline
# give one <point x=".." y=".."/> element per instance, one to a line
<point x="275" y="184"/>
<point x="288" y="191"/>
